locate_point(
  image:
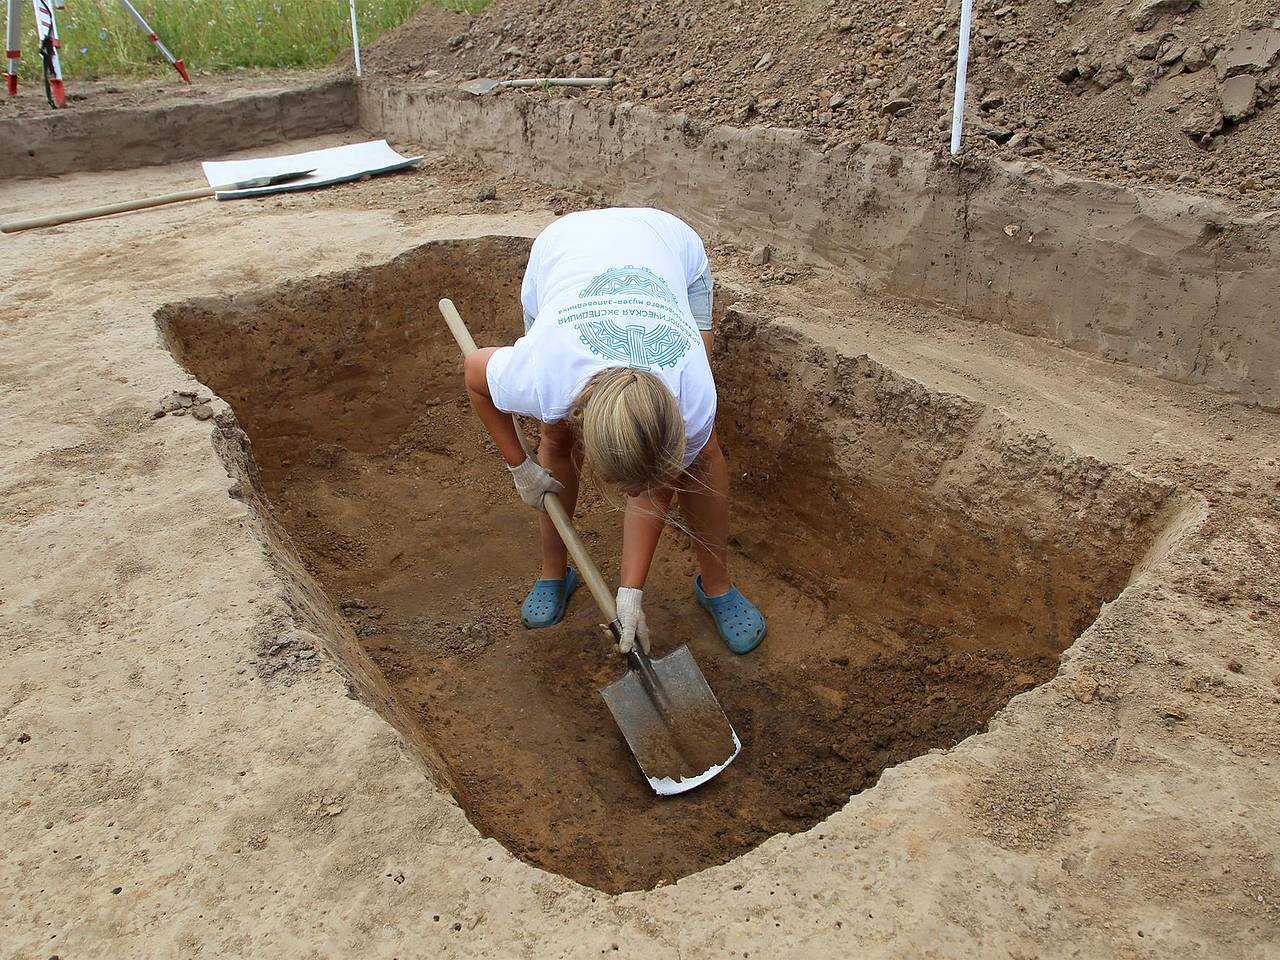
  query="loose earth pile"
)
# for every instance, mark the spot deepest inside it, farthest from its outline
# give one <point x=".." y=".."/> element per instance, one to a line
<point x="1155" y="91"/>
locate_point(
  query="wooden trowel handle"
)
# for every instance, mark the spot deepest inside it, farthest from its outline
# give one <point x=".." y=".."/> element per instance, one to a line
<point x="551" y="502"/>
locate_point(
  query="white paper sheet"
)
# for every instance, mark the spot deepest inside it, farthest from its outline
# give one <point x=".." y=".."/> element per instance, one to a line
<point x="332" y="165"/>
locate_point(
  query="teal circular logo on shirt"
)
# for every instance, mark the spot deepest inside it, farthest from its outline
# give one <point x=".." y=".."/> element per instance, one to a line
<point x="619" y="280"/>
<point x="633" y="345"/>
<point x="629" y="316"/>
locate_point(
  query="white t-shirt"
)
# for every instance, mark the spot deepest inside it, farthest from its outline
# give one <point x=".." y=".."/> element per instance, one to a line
<point x="609" y="288"/>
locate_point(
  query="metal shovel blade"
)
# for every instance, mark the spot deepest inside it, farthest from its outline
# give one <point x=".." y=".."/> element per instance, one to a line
<point x="673" y="723"/>
<point x="478" y="87"/>
<point x="270" y="181"/>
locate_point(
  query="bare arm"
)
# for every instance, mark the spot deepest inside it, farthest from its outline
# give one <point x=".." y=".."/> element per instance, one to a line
<point x="499" y="424"/>
<point x="641" y="528"/>
<point x="647" y="515"/>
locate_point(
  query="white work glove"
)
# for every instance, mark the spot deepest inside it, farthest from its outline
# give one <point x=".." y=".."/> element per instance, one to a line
<point x="631" y="616"/>
<point x="532" y="480"/>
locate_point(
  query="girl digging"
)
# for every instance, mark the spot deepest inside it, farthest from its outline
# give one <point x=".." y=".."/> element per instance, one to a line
<point x="615" y="364"/>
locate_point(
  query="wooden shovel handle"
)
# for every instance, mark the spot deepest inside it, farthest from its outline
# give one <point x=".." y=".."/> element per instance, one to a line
<point x="550" y="501"/>
<point x="559" y="82"/>
<point x="88" y="213"/>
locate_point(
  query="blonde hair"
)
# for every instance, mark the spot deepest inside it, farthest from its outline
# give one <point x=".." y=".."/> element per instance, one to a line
<point x="631" y="428"/>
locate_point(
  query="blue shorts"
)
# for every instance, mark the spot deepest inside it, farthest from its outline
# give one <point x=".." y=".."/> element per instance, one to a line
<point x="699" y="302"/>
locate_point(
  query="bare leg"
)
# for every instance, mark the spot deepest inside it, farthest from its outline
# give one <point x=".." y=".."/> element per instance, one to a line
<point x="555" y="452"/>
<point x="704" y="500"/>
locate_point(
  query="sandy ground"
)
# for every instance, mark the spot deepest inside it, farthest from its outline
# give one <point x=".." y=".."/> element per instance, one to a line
<point x="168" y="799"/>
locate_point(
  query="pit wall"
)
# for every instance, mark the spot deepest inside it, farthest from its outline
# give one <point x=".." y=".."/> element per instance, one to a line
<point x="1172" y="282"/>
<point x="955" y="522"/>
<point x="379" y="308"/>
<point x="313" y="610"/>
<point x="172" y="129"/>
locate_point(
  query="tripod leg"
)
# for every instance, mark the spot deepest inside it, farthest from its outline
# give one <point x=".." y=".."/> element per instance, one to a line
<point x="47" y="27"/>
<point x="12" y="47"/>
<point x="151" y="35"/>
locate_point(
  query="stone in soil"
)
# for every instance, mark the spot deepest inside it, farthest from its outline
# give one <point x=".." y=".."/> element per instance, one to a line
<point x="1251" y="51"/>
<point x="1237" y="95"/>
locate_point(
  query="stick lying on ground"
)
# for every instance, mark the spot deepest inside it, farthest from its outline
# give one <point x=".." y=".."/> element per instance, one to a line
<point x="88" y="213"/>
<point x="484" y="85"/>
<point x="673" y="723"/>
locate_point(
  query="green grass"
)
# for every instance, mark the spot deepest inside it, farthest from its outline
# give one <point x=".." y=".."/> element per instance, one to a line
<point x="99" y="38"/>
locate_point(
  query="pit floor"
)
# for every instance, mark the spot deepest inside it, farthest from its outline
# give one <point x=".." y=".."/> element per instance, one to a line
<point x="170" y="796"/>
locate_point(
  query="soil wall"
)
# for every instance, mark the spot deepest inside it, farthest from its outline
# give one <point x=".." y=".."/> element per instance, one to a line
<point x="172" y="129"/>
<point x="921" y="560"/>
<point x="1179" y="284"/>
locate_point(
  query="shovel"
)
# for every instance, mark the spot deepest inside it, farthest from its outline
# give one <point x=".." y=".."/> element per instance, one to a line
<point x="485" y="85"/>
<point x="53" y="219"/>
<point x="672" y="722"/>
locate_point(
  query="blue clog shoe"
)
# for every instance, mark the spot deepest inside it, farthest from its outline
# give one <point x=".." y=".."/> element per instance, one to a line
<point x="547" y="600"/>
<point x="740" y="624"/>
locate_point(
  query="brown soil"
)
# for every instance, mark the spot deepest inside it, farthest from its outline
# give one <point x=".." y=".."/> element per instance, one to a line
<point x="1152" y="115"/>
<point x="920" y="562"/>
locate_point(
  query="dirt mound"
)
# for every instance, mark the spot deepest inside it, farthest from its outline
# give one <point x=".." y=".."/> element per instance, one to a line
<point x="417" y="41"/>
<point x="919" y="564"/>
<point x="1158" y="91"/>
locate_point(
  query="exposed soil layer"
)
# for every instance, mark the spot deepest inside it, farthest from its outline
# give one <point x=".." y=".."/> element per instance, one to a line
<point x="115" y="93"/>
<point x="1156" y="91"/>
<point x="140" y="124"/>
<point x="920" y="562"/>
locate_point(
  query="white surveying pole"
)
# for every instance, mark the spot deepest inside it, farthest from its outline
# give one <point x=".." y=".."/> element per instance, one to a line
<point x="962" y="70"/>
<point x="355" y="36"/>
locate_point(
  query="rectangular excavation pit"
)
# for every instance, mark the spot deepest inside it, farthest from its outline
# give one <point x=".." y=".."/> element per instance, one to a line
<point x="920" y="561"/>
